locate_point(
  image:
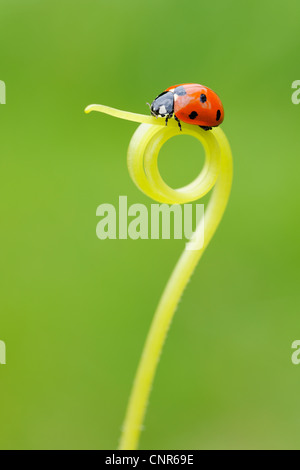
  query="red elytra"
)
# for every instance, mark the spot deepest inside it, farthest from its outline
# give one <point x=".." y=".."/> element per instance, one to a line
<point x="191" y="103"/>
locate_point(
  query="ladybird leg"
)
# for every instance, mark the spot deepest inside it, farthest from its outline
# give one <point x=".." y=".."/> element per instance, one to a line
<point x="206" y="128"/>
<point x="167" y="119"/>
<point x="179" y="123"/>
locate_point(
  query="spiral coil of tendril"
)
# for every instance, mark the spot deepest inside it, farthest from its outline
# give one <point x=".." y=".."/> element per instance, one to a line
<point x="142" y="159"/>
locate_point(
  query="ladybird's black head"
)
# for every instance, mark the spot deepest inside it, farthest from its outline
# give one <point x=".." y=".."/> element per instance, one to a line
<point x="163" y="105"/>
<point x="154" y="109"/>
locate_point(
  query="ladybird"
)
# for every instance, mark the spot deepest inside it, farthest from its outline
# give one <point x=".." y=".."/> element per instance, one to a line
<point x="190" y="103"/>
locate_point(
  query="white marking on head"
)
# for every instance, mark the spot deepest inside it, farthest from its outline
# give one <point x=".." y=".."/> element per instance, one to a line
<point x="162" y="110"/>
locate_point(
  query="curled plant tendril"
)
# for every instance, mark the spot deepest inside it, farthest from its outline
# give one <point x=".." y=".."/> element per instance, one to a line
<point x="142" y="164"/>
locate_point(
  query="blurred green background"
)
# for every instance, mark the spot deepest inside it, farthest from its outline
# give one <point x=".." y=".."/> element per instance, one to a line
<point x="75" y="310"/>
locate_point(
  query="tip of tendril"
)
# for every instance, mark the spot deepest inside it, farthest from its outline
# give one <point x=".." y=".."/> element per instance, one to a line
<point x="88" y="109"/>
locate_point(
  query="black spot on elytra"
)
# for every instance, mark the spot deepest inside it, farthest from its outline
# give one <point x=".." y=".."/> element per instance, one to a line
<point x="218" y="115"/>
<point x="203" y="98"/>
<point x="180" y="91"/>
<point x="193" y="115"/>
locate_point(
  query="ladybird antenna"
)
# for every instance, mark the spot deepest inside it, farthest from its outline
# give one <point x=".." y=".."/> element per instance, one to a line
<point x="153" y="114"/>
